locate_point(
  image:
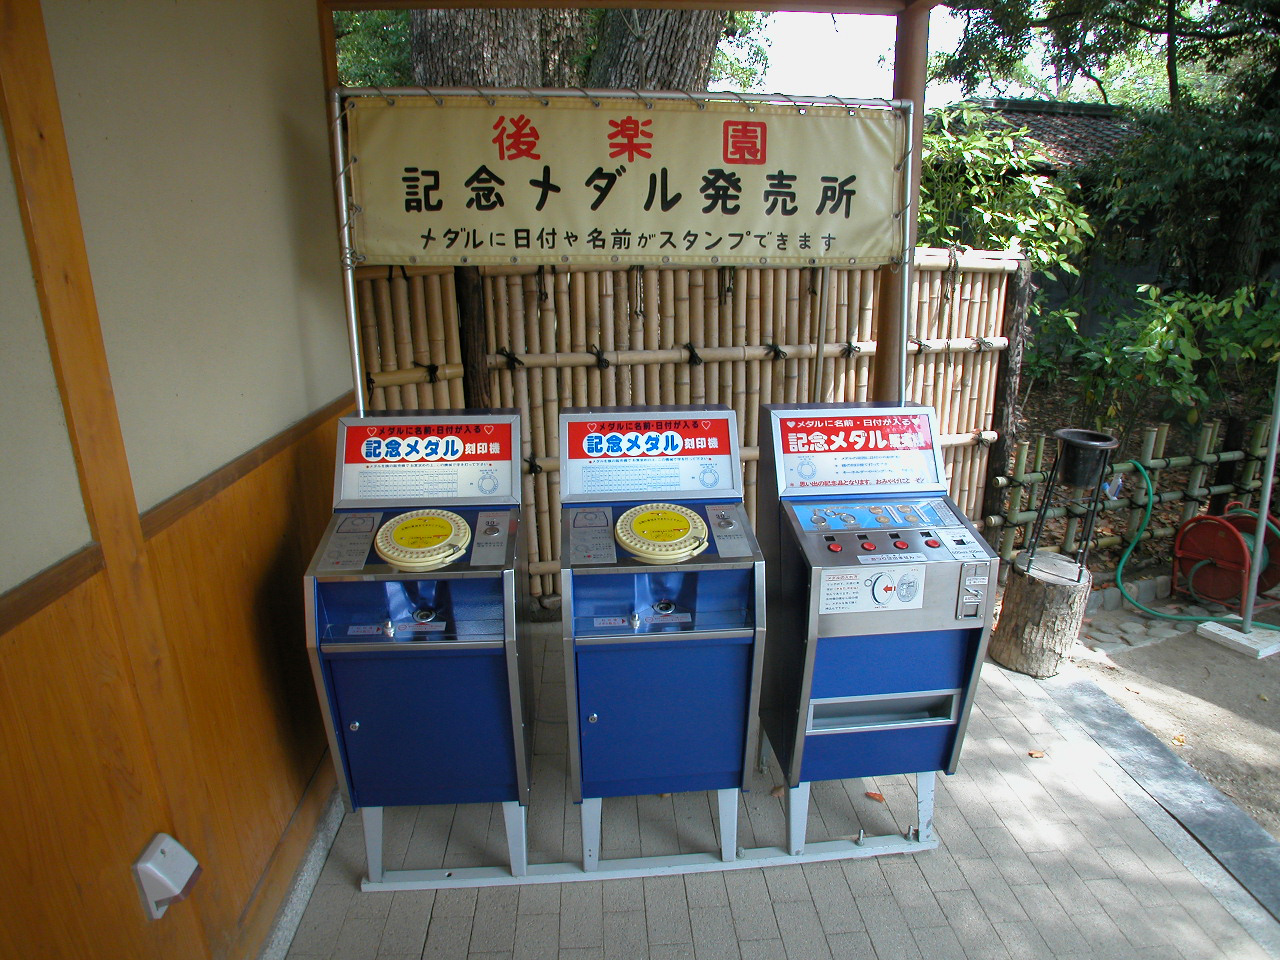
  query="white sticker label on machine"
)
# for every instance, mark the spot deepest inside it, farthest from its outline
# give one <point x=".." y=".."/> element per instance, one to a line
<point x="845" y="590"/>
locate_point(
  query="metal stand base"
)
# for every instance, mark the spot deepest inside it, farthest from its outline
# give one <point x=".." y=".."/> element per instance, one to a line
<point x="918" y="838"/>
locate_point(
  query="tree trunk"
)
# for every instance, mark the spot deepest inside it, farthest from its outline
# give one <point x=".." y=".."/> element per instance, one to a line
<point x="564" y="36"/>
<point x="1040" y="615"/>
<point x="463" y="48"/>
<point x="656" y="49"/>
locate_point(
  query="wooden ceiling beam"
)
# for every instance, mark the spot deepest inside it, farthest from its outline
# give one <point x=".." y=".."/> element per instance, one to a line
<point x="885" y="8"/>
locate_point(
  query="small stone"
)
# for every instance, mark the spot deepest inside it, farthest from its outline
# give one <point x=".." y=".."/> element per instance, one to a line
<point x="1165" y="630"/>
<point x="1109" y="647"/>
<point x="1164" y="584"/>
<point x="1129" y="628"/>
<point x="1112" y="600"/>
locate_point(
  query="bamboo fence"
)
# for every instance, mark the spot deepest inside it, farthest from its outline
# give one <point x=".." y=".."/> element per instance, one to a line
<point x="1181" y="480"/>
<point x="742" y="337"/>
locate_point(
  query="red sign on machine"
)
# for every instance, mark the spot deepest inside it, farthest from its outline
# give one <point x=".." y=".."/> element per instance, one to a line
<point x="856" y="434"/>
<point x="645" y="437"/>
<point x="428" y="443"/>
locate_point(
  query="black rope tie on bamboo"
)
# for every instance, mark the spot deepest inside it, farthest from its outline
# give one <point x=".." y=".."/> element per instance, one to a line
<point x="602" y="362"/>
<point x="512" y="360"/>
<point x="849" y="349"/>
<point x="540" y="280"/>
<point x="775" y="351"/>
<point x="921" y="346"/>
<point x="694" y="359"/>
<point x="981" y="344"/>
<point x="981" y="439"/>
<point x="535" y="467"/>
<point x="369" y="383"/>
<point x="433" y="371"/>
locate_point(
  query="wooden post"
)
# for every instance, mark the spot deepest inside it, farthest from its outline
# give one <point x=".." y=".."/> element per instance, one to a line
<point x="1008" y="383"/>
<point x="469" y="289"/>
<point x="1041" y="614"/>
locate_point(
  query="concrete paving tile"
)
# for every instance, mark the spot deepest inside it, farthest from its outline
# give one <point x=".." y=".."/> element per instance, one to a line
<point x="625" y="894"/>
<point x="1239" y="948"/>
<point x="865" y="877"/>
<point x="625" y="935"/>
<point x="581" y="953"/>
<point x="909" y="888"/>
<point x="965" y="917"/>
<point x="1053" y="922"/>
<point x="581" y="916"/>
<point x="670" y="951"/>
<point x="938" y="943"/>
<point x="370" y="906"/>
<point x="802" y="933"/>
<point x="832" y="898"/>
<point x="405" y="930"/>
<point x="992" y="892"/>
<point x="358" y="939"/>
<point x="454" y="903"/>
<point x="666" y="910"/>
<point x="762" y="950"/>
<point x="1056" y="869"/>
<point x="539" y="898"/>
<point x="751" y="906"/>
<point x="887" y="928"/>
<point x="500" y="955"/>
<point x="704" y="890"/>
<point x="851" y="946"/>
<point x="448" y="938"/>
<point x="537" y="936"/>
<point x="786" y="883"/>
<point x="322" y="920"/>
<point x="1130" y="915"/>
<point x="494" y="927"/>
<point x="1022" y="941"/>
<point x="714" y="935"/>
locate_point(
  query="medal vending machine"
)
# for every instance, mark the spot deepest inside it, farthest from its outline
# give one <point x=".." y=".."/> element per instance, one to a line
<point x="662" y="611"/>
<point x="881" y="597"/>
<point x="412" y="597"/>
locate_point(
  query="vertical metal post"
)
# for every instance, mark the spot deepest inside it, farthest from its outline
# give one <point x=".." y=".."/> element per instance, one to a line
<point x="371" y="817"/>
<point x="925" y="783"/>
<point x="908" y="247"/>
<point x="727" y="801"/>
<point x="797" y="818"/>
<point x="591" y="810"/>
<point x="347" y="243"/>
<point x="1264" y="508"/>
<point x="513" y="813"/>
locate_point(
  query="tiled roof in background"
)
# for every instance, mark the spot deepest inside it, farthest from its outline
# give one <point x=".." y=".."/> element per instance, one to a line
<point x="1072" y="133"/>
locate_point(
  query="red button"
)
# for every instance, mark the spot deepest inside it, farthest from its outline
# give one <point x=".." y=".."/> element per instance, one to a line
<point x="868" y="545"/>
<point x="834" y="547"/>
<point x="900" y="544"/>
<point x="932" y="543"/>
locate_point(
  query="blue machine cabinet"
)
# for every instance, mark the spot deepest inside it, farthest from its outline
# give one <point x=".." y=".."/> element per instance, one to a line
<point x="423" y="676"/>
<point x="662" y="659"/>
<point x="880" y="599"/>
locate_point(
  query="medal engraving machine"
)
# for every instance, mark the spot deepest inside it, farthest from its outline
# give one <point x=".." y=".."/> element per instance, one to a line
<point x="662" y="610"/>
<point x="880" y="604"/>
<point x="422" y="672"/>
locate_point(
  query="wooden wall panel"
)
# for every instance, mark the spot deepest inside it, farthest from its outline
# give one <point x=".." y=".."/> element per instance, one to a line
<point x="229" y="575"/>
<point x="79" y="792"/>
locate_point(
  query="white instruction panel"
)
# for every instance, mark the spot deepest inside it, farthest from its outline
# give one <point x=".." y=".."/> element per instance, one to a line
<point x="860" y="589"/>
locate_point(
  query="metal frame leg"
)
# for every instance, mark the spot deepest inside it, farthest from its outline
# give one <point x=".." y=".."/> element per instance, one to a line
<point x="925" y="783"/>
<point x="797" y="818"/>
<point x="514" y="814"/>
<point x="371" y="818"/>
<point x="728" y="810"/>
<point x="762" y="758"/>
<point x="591" y="808"/>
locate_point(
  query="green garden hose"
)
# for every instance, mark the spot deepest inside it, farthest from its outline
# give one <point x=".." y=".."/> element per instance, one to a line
<point x="1142" y="528"/>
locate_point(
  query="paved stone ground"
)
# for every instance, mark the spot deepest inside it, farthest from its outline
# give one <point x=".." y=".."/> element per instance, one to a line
<point x="1060" y="855"/>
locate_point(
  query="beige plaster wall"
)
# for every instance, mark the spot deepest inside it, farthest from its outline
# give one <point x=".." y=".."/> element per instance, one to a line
<point x="199" y="145"/>
<point x="41" y="512"/>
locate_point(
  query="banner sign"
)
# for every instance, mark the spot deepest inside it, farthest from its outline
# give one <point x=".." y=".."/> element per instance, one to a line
<point x="474" y="180"/>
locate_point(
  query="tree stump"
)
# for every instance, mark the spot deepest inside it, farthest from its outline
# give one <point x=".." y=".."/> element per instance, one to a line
<point x="1041" y="614"/>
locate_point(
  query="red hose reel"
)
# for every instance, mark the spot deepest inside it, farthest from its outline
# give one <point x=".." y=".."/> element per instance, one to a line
<point x="1212" y="557"/>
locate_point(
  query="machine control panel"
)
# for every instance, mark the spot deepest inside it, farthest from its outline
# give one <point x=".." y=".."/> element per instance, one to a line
<point x="889" y="531"/>
<point x="592" y="537"/>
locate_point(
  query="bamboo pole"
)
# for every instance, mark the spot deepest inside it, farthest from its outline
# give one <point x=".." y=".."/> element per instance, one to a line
<point x="608" y="310"/>
<point x="452" y="337"/>
<point x="659" y="378"/>
<point x="623" y="309"/>
<point x="581" y="287"/>
<point x="436" y="334"/>
<point x="867" y="296"/>
<point x="1016" y="498"/>
<point x="696" y="293"/>
<point x="501" y="300"/>
<point x="534" y="301"/>
<point x="727" y="297"/>
<point x="520" y="389"/>
<point x="711" y="299"/>
<point x="791" y="334"/>
<point x="678" y="291"/>
<point x="387" y="339"/>
<point x="369" y="345"/>
<point x="564" y="391"/>
<point x="739" y="339"/>
<point x="407" y="301"/>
